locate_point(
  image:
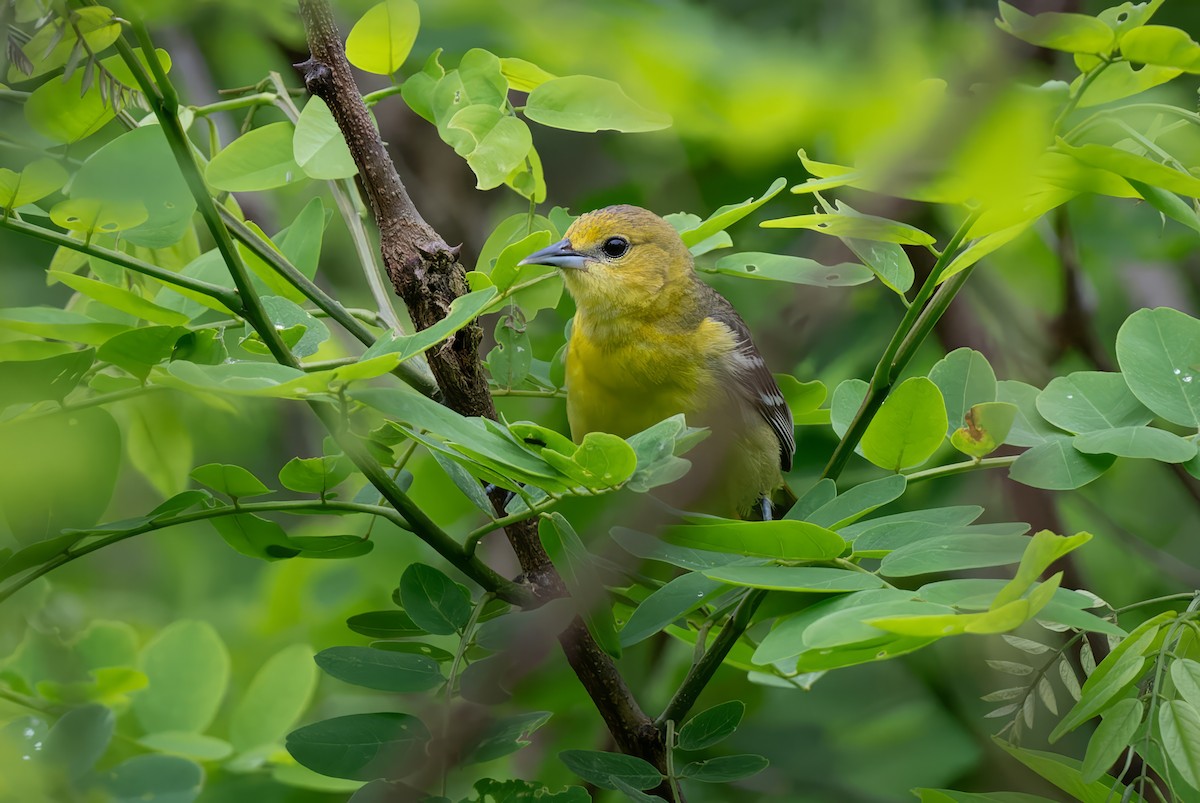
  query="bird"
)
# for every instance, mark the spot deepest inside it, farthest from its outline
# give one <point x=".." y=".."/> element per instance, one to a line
<point x="650" y="339"/>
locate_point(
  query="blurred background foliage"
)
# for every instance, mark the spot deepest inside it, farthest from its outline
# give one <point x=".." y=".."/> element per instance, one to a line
<point x="747" y="82"/>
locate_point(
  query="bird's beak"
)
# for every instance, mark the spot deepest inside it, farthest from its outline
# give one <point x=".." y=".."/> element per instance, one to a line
<point x="559" y="255"/>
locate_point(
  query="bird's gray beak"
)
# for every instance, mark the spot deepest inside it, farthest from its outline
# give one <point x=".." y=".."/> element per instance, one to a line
<point x="559" y="255"/>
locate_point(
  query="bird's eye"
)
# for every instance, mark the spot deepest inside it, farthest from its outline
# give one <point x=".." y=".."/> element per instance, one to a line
<point x="615" y="247"/>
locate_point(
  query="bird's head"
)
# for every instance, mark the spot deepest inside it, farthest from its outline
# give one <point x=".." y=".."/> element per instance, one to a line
<point x="619" y="260"/>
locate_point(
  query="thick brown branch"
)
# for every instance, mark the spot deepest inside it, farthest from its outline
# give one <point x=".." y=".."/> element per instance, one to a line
<point x="428" y="277"/>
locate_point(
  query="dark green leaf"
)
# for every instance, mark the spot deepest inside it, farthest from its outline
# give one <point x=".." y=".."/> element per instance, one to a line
<point x="857" y="502"/>
<point x="965" y="378"/>
<point x="380" y="669"/>
<point x="154" y="779"/>
<point x="505" y="736"/>
<point x="435" y="602"/>
<point x="600" y="768"/>
<point x="711" y="726"/>
<point x="665" y="605"/>
<point x="1087" y="401"/>
<point x="1159" y="353"/>
<point x="384" y="624"/>
<point x="725" y="769"/>
<point x="1112" y="736"/>
<point x="77" y="740"/>
<point x="360" y="746"/>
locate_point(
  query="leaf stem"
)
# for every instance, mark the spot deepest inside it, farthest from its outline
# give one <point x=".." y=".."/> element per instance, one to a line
<point x="233" y="104"/>
<point x="961" y="468"/>
<point x="911" y="332"/>
<point x="703" y="670"/>
<point x="226" y="296"/>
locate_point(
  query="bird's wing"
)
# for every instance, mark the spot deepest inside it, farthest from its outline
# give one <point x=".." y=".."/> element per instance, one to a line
<point x="755" y="381"/>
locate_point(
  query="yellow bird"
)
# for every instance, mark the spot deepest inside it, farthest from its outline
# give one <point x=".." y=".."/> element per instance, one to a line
<point x="651" y="340"/>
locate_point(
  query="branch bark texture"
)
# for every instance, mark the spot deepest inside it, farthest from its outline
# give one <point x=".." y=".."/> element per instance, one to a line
<point x="428" y="276"/>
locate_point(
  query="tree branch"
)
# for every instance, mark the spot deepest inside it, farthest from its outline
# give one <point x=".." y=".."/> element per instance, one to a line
<point x="427" y="276"/>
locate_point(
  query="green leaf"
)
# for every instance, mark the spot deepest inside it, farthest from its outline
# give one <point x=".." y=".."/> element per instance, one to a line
<point x="1159" y="354"/>
<point x="314" y="475"/>
<point x="233" y="481"/>
<point x="847" y="398"/>
<point x="277" y="696"/>
<point x="711" y="726"/>
<point x="360" y="747"/>
<point x="724" y="769"/>
<point x="1121" y="80"/>
<point x="951" y="796"/>
<point x="28" y="381"/>
<point x="656" y="449"/>
<point x="138" y="168"/>
<point x="501" y="143"/>
<point x="195" y="746"/>
<point x="804" y="399"/>
<point x="1065" y="774"/>
<point x="1043" y="549"/>
<point x="287" y="314"/>
<point x="585" y="103"/>
<point x="381" y="669"/>
<point x="729" y="214"/>
<point x="666" y="604"/>
<point x="384" y="624"/>
<point x="813" y="579"/>
<point x="600" y="768"/>
<point x="187" y="666"/>
<point x="797" y="270"/>
<point x="651" y="548"/>
<point x="1111" y="737"/>
<point x="417" y="90"/>
<point x="51" y="46"/>
<point x="1179" y="724"/>
<point x="1137" y="442"/>
<point x="318" y="146"/>
<point x="415" y="648"/>
<point x="1131" y="165"/>
<point x="58" y="472"/>
<point x="946" y="553"/>
<point x="77" y="740"/>
<point x="90" y="215"/>
<point x="119" y="298"/>
<point x="632" y="793"/>
<point x="139" y="350"/>
<point x="256" y="537"/>
<point x="885" y="259"/>
<point x="65" y="112"/>
<point x="523" y="76"/>
<point x="509" y="362"/>
<point x="908" y="428"/>
<point x="848" y="223"/>
<point x="965" y="378"/>
<point x="505" y="736"/>
<point x="37" y="180"/>
<point x="955" y="516"/>
<point x="1074" y="33"/>
<point x="1057" y="466"/>
<point x="153" y="779"/>
<point x="1163" y="46"/>
<point x="779" y="540"/>
<point x="581" y="576"/>
<point x="1185" y="673"/>
<point x="260" y="159"/>
<point x="857" y="502"/>
<point x="435" y="602"/>
<point x="988" y="424"/>
<point x="1086" y="401"/>
<point x="1168" y="203"/>
<point x="1117" y="673"/>
<point x="381" y="39"/>
<point x="1029" y="428"/>
<point x="463" y="310"/>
